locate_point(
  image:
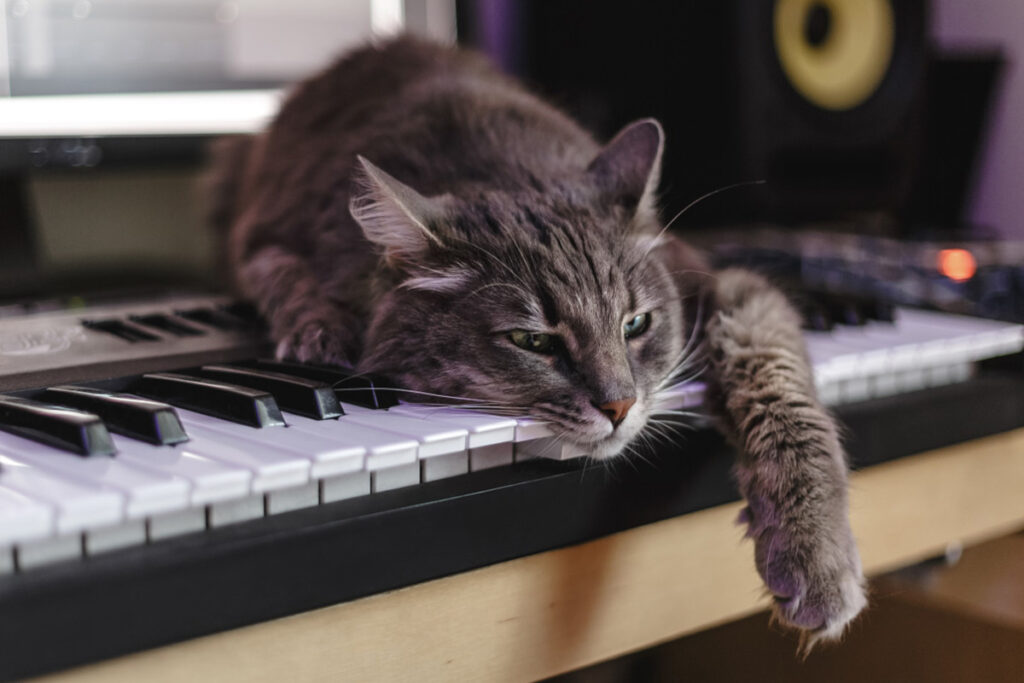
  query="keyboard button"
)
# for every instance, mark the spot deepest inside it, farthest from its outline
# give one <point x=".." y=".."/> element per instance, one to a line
<point x="126" y="534"/>
<point x="295" y="498"/>
<point x="142" y="419"/>
<point x="218" y="399"/>
<point x="344" y="486"/>
<point x="271" y="466"/>
<point x="383" y="449"/>
<point x="174" y="524"/>
<point x="235" y="511"/>
<point x="435" y="438"/>
<point x="48" y="551"/>
<point x="146" y="492"/>
<point x="301" y="395"/>
<point x="483" y="430"/>
<point x="366" y="390"/>
<point x="166" y="323"/>
<point x="121" y="329"/>
<point x="392" y="478"/>
<point x="77" y="506"/>
<point x="217" y="319"/>
<point x="491" y="456"/>
<point x="65" y="428"/>
<point x="22" y="518"/>
<point x="211" y="480"/>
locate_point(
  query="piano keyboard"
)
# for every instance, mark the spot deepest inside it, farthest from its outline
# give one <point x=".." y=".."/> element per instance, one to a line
<point x="88" y="467"/>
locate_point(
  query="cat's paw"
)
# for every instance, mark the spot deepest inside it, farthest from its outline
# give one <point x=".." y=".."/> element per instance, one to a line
<point x="813" y="574"/>
<point x="317" y="341"/>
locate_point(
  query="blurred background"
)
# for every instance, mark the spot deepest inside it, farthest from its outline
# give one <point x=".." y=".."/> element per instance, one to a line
<point x="889" y="127"/>
<point x="886" y="131"/>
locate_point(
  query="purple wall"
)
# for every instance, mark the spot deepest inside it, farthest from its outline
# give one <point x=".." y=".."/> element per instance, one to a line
<point x="998" y="201"/>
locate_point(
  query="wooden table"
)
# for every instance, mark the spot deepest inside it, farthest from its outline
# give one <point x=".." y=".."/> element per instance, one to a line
<point x="556" y="611"/>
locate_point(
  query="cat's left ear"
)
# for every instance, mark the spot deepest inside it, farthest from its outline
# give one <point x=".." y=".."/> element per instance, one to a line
<point x="396" y="217"/>
<point x="629" y="167"/>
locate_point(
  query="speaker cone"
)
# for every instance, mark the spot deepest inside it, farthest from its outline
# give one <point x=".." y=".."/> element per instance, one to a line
<point x="835" y="53"/>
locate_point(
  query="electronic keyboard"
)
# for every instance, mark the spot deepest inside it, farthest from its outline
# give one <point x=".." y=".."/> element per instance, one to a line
<point x="140" y="436"/>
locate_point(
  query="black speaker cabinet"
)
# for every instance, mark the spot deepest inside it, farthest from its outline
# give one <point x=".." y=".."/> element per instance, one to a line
<point x="822" y="99"/>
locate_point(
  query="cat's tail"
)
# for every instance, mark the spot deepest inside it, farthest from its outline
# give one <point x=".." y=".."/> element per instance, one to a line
<point x="222" y="183"/>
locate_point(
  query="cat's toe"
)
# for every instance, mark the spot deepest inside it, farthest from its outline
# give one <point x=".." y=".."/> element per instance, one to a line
<point x="315" y="342"/>
<point x="817" y="586"/>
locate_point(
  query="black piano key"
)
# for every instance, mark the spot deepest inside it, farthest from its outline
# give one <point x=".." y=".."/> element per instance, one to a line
<point x="120" y="328"/>
<point x="68" y="429"/>
<point x="816" y="317"/>
<point x="244" y="311"/>
<point x="301" y="395"/>
<point x="168" y="324"/>
<point x="847" y="311"/>
<point x="362" y="389"/>
<point x="880" y="310"/>
<point x="138" y="418"/>
<point x="211" y="317"/>
<point x="218" y="399"/>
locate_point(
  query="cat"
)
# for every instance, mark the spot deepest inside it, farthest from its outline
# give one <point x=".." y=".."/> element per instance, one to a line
<point x="413" y="212"/>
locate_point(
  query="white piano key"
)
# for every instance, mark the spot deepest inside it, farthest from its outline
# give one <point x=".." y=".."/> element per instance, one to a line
<point x="528" y="428"/>
<point x="348" y="446"/>
<point x="434" y="438"/>
<point x="48" y="551"/>
<point x="23" y="518"/>
<point x="444" y="466"/>
<point x="272" y="466"/>
<point x="553" y="448"/>
<point x="235" y="511"/>
<point x="395" y="477"/>
<point x="483" y="429"/>
<point x="123" y="535"/>
<point x="491" y="456"/>
<point x="212" y="480"/>
<point x="77" y="506"/>
<point x="382" y="448"/>
<point x="6" y="560"/>
<point x="680" y="396"/>
<point x="344" y="486"/>
<point x="174" y="524"/>
<point x="295" y="498"/>
<point x="146" y="492"/>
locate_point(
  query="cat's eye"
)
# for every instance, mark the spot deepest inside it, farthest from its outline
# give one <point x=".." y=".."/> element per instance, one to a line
<point x="537" y="342"/>
<point x="637" y="326"/>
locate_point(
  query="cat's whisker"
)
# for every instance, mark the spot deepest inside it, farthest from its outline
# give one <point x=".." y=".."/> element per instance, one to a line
<point x="695" y="202"/>
<point x="338" y="389"/>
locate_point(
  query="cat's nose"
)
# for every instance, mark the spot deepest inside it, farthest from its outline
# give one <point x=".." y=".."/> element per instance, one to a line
<point x="616" y="411"/>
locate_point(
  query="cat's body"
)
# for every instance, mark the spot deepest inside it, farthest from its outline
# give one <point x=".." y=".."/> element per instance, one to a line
<point x="506" y="258"/>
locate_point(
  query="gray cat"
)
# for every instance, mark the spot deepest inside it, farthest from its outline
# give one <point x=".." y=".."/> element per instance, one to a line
<point x="505" y="258"/>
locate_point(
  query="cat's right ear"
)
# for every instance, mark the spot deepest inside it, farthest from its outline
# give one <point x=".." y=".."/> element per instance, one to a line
<point x="394" y="216"/>
<point x="629" y="167"/>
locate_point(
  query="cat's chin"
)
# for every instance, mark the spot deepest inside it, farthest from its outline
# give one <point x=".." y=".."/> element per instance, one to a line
<point x="612" y="445"/>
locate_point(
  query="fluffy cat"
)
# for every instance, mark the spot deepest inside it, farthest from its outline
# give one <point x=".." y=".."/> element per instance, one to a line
<point x="415" y="213"/>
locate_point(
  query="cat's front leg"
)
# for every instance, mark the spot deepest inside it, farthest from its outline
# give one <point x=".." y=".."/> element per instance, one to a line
<point x="304" y="324"/>
<point x="791" y="469"/>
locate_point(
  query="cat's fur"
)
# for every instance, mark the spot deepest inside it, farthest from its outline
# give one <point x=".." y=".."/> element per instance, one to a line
<point x="495" y="212"/>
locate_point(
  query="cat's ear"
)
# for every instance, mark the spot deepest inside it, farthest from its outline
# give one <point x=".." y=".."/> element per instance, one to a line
<point x="628" y="169"/>
<point x="395" y="216"/>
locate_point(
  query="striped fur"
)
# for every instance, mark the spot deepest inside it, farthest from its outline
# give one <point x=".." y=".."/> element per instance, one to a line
<point x="410" y="207"/>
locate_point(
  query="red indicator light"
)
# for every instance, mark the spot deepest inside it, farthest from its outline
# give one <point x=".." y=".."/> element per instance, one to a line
<point x="957" y="264"/>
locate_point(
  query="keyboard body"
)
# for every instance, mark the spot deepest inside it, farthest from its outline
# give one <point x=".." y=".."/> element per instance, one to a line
<point x="92" y="591"/>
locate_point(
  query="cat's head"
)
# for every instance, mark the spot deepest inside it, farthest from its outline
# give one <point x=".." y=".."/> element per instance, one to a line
<point x="547" y="301"/>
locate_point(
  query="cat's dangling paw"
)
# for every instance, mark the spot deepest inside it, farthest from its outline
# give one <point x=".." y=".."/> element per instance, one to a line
<point x="814" y="577"/>
<point x="316" y="341"/>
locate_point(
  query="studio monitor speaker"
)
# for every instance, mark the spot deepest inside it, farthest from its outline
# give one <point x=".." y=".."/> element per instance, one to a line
<point x="820" y="98"/>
